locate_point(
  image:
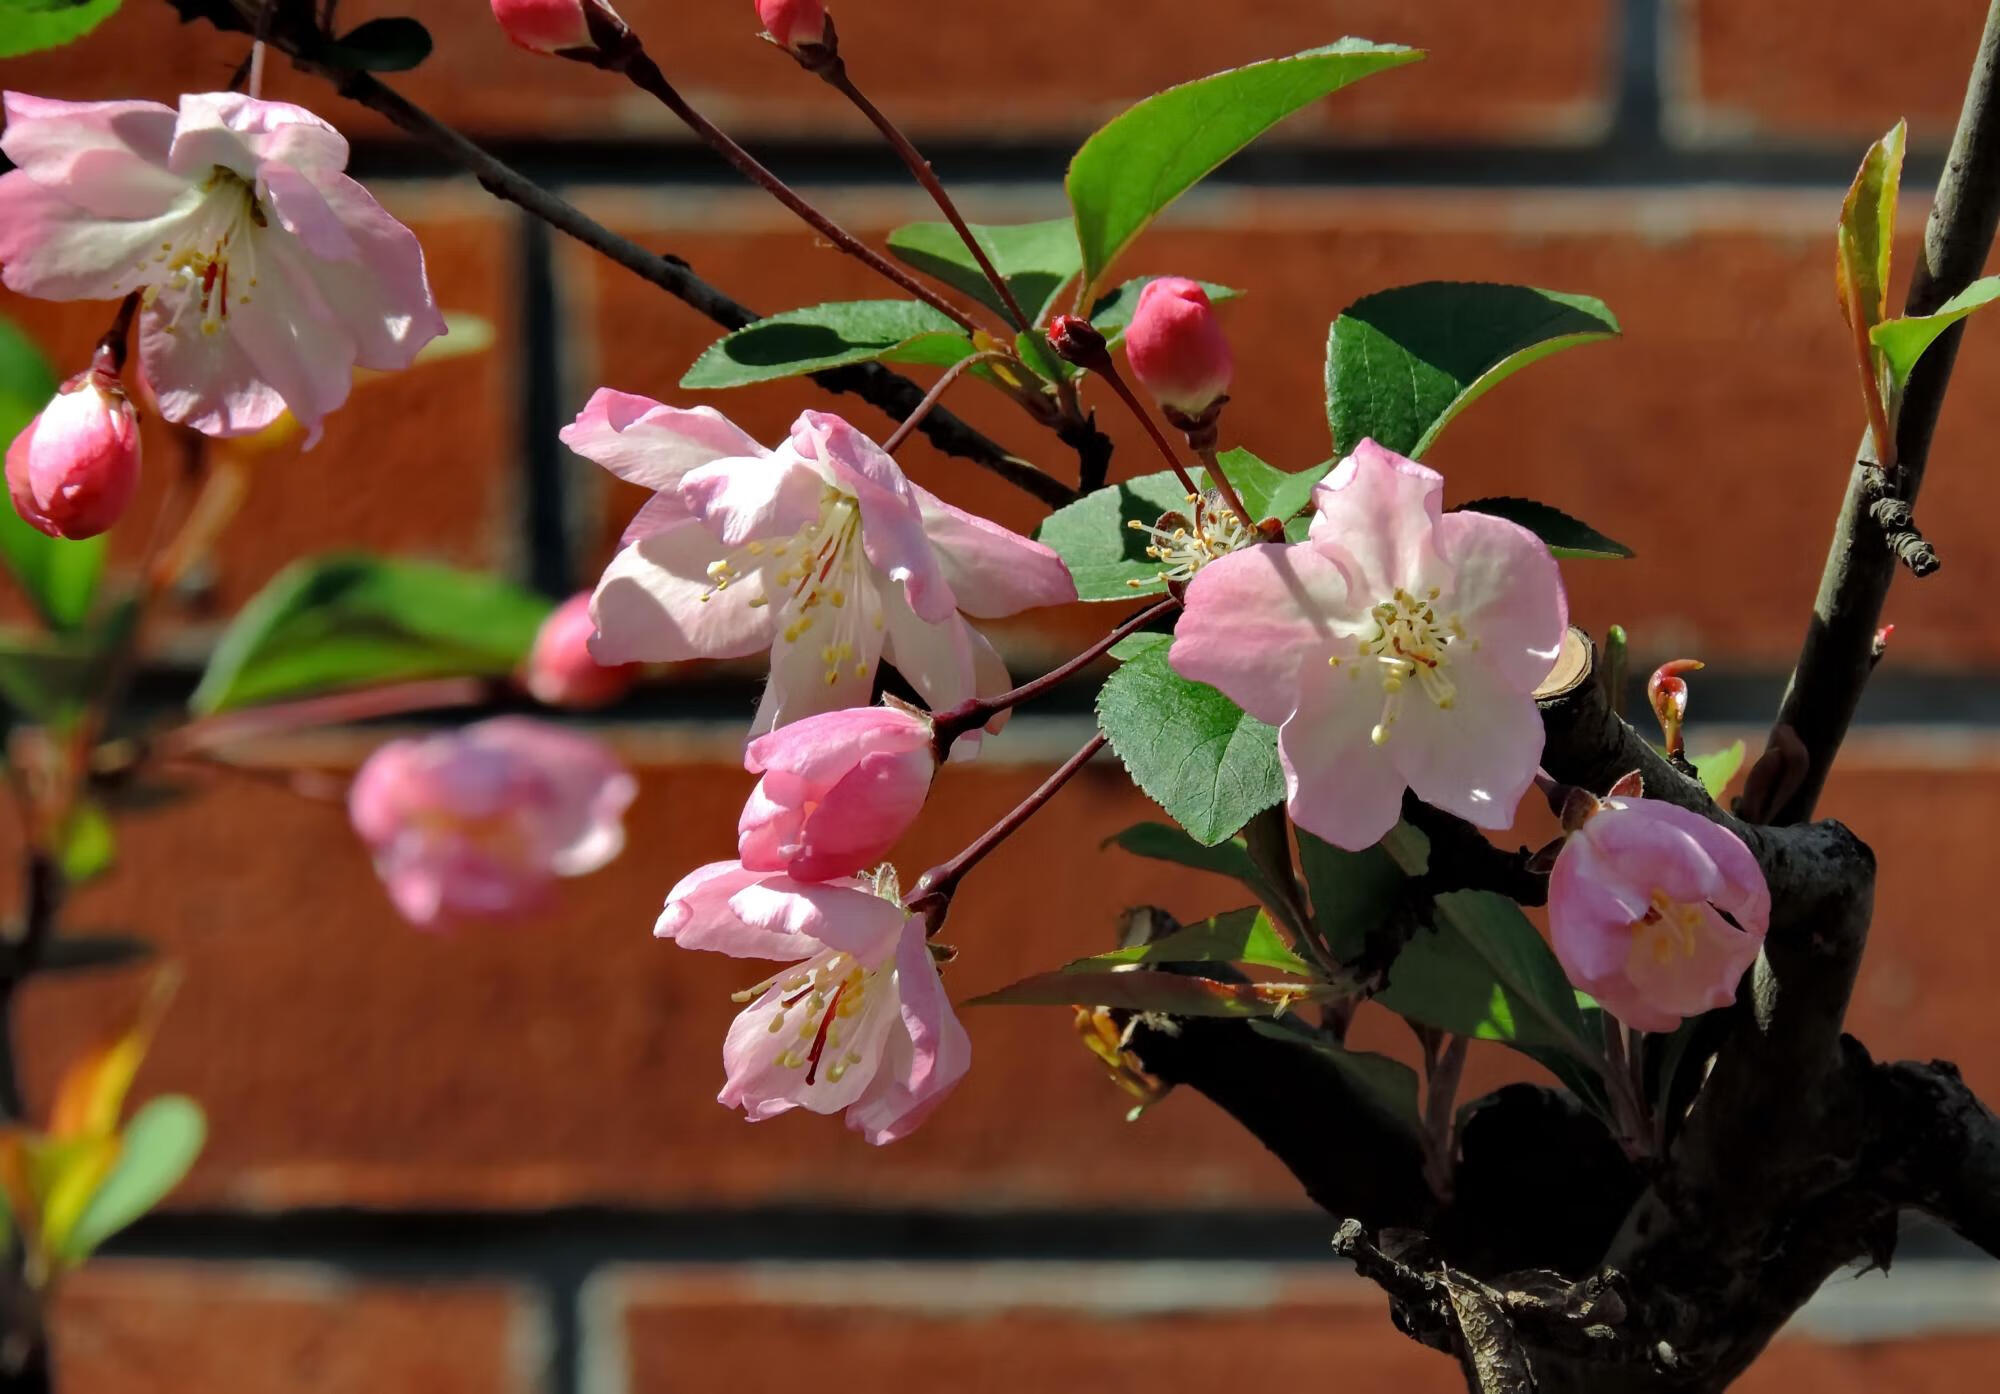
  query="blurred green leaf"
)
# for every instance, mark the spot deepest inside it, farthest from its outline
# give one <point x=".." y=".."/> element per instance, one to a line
<point x="393" y="45"/>
<point x="71" y="952"/>
<point x="157" y="1148"/>
<point x="29" y="26"/>
<point x="829" y="336"/>
<point x="347" y="621"/>
<point x="89" y="844"/>
<point x="1718" y="767"/>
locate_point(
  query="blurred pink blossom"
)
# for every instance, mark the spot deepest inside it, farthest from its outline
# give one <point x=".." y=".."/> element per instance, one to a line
<point x="560" y="671"/>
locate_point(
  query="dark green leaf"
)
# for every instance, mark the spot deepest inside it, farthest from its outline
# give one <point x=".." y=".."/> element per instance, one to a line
<point x="1388" y="1086"/>
<point x="1147" y="990"/>
<point x="1035" y="259"/>
<point x="1400" y="364"/>
<point x="1112" y="315"/>
<point x="1153" y="153"/>
<point x="1352" y="893"/>
<point x="1165" y="843"/>
<point x="1903" y="341"/>
<point x="829" y="336"/>
<point x="353" y="621"/>
<point x="158" y="1147"/>
<point x="1289" y="499"/>
<point x="1235" y="936"/>
<point x="1566" y="536"/>
<point x="1194" y="752"/>
<point x="29" y="26"/>
<point x="81" y="953"/>
<point x="1106" y="556"/>
<point x="381" y="46"/>
<point x="60" y="577"/>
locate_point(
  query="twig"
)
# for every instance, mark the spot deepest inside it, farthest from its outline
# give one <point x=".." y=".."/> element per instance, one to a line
<point x="931" y="398"/>
<point x="1837" y="656"/>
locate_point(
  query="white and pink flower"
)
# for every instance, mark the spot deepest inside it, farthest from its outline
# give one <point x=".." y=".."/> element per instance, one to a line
<point x="268" y="274"/>
<point x="821" y="552"/>
<point x="478" y="823"/>
<point x="860" y="1022"/>
<point x="1397" y="648"/>
<point x="1656" y="911"/>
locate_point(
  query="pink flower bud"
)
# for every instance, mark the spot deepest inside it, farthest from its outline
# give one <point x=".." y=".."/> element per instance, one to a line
<point x="796" y="24"/>
<point x="838" y="790"/>
<point x="545" y="26"/>
<point x="73" y="469"/>
<point x="1176" y="348"/>
<point x="560" y="671"/>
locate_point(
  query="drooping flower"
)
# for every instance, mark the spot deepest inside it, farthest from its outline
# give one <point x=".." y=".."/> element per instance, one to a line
<point x="73" y="469"/>
<point x="1177" y="349"/>
<point x="820" y="551"/>
<point x="796" y="24"/>
<point x="1397" y="647"/>
<point x="838" y="790"/>
<point x="1656" y="912"/>
<point x="268" y="275"/>
<point x="859" y="1022"/>
<point x="560" y="671"/>
<point x="479" y="822"/>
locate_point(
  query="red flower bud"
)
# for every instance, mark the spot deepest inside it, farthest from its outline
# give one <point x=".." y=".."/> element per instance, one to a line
<point x="1176" y="348"/>
<point x="73" y="469"/>
<point x="560" y="671"/>
<point x="1667" y="691"/>
<point x="1076" y="340"/>
<point x="796" y="24"/>
<point x="550" y="26"/>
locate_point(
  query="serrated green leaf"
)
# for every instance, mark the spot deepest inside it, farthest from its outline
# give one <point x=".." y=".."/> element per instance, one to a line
<point x="1566" y="536"/>
<point x="829" y="336"/>
<point x="157" y="1149"/>
<point x="1402" y="363"/>
<point x="1718" y="767"/>
<point x="1903" y="341"/>
<point x="1149" y="990"/>
<point x="1150" y="155"/>
<point x="60" y="577"/>
<point x="1112" y="315"/>
<point x="1106" y="556"/>
<point x="1867" y="231"/>
<point x="1035" y="259"/>
<point x="1132" y="645"/>
<point x="1388" y="1086"/>
<point x="349" y="620"/>
<point x="29" y="26"/>
<point x="1163" y="842"/>
<point x="1235" y="936"/>
<point x="1197" y="754"/>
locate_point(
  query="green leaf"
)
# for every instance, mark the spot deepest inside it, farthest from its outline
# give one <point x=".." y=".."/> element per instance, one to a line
<point x="1566" y="536"/>
<point x="1400" y="364"/>
<point x="1112" y="315"/>
<point x="81" y="953"/>
<point x="1035" y="259"/>
<point x="1132" y="645"/>
<point x="1106" y="556"/>
<point x="1235" y="936"/>
<point x="1148" y="990"/>
<point x="1153" y="153"/>
<point x="1867" y="231"/>
<point x="1290" y="498"/>
<point x="829" y="336"/>
<point x="1163" y="842"/>
<point x="1253" y="480"/>
<point x="1719" y="767"/>
<point x="1195" y="753"/>
<point x="29" y="26"/>
<point x="381" y="46"/>
<point x="348" y="620"/>
<point x="60" y="577"/>
<point x="158" y="1147"/>
<point x="1903" y="341"/>
<point x="1352" y="893"/>
<point x="1485" y="972"/>
<point x="1388" y="1086"/>
<point x="89" y="844"/>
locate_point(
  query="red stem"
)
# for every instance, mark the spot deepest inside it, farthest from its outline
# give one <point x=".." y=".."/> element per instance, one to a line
<point x="1105" y="369"/>
<point x="909" y="424"/>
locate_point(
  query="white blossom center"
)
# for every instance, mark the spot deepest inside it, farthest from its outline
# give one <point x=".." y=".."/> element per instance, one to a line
<point x="216" y="232"/>
<point x="1412" y="642"/>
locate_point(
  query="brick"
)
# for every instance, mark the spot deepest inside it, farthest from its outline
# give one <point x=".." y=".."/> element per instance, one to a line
<point x="418" y="463"/>
<point x="1795" y="70"/>
<point x="125" y="1327"/>
<point x="1713" y="438"/>
<point x="347" y="1059"/>
<point x="1051" y="71"/>
<point x="1001" y="1327"/>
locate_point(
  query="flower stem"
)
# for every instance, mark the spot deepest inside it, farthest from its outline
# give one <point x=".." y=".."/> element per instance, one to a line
<point x="974" y="712"/>
<point x="932" y="895"/>
<point x="337" y="709"/>
<point x="837" y="78"/>
<point x="632" y="60"/>
<point x="931" y="398"/>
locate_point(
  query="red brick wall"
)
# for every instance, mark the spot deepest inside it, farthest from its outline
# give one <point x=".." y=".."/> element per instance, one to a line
<point x="348" y="1061"/>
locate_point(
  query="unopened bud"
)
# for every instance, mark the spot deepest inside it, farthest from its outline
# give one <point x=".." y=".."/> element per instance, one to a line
<point x="554" y="26"/>
<point x="560" y="671"/>
<point x="1075" y="340"/>
<point x="1177" y="348"/>
<point x="73" y="469"/>
<point x="795" y="24"/>
<point x="1668" y="693"/>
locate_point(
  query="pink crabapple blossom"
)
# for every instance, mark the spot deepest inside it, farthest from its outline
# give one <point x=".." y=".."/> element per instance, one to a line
<point x="544" y="26"/>
<point x="1176" y="348"/>
<point x="267" y="274"/>
<point x="74" y="468"/>
<point x="477" y="823"/>
<point x="796" y="24"/>
<point x="821" y="552"/>
<point x="560" y="671"/>
<point x="838" y="790"/>
<point x="1637" y="907"/>
<point x="859" y="1022"/>
<point x="1398" y="647"/>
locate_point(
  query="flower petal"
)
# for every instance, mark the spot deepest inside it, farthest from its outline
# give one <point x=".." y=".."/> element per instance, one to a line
<point x="991" y="570"/>
<point x="242" y="133"/>
<point x="382" y="293"/>
<point x="922" y="1061"/>
<point x="1475" y="759"/>
<point x="650" y="606"/>
<point x="1378" y="512"/>
<point x="839" y="914"/>
<point x="1339" y="785"/>
<point x="1508" y="593"/>
<point x="892" y="524"/>
<point x="753" y="500"/>
<point x="107" y="158"/>
<point x="1256" y="620"/>
<point x="645" y="443"/>
<point x="698" y="916"/>
<point x="59" y="250"/>
<point x="813" y="672"/>
<point x="937" y="659"/>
